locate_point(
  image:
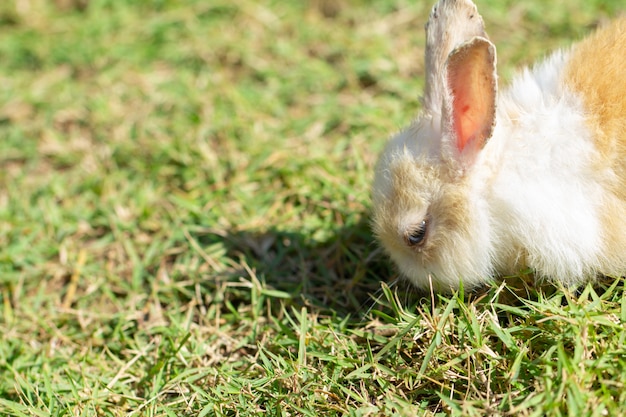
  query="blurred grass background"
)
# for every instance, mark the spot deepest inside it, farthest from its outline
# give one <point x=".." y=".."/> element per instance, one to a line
<point x="184" y="220"/>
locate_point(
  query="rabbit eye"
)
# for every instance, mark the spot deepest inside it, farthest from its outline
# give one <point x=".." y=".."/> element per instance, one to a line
<point x="416" y="236"/>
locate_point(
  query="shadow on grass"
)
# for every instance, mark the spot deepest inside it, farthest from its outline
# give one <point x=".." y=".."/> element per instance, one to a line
<point x="340" y="275"/>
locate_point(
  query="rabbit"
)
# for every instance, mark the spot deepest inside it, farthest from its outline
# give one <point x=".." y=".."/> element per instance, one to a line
<point x="485" y="184"/>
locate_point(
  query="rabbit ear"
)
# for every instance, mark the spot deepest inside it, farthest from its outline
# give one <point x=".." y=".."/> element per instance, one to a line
<point x="469" y="109"/>
<point x="451" y="23"/>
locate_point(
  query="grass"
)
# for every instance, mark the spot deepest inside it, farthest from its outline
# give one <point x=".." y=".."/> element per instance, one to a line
<point x="184" y="221"/>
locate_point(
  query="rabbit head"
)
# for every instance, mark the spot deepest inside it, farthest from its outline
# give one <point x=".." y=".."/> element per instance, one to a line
<point x="426" y="212"/>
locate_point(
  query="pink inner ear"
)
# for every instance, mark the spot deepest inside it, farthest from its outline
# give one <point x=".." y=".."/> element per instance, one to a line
<point x="471" y="80"/>
<point x="467" y="117"/>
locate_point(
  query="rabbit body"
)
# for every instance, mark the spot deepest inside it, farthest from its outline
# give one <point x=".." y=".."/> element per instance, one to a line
<point x="485" y="184"/>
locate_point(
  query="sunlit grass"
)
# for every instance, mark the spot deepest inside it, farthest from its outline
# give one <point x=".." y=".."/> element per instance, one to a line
<point x="184" y="221"/>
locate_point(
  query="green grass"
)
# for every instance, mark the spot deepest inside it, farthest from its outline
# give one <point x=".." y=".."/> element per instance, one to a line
<point x="184" y="221"/>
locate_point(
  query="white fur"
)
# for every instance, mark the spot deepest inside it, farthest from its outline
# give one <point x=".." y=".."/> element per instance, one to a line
<point x="540" y="144"/>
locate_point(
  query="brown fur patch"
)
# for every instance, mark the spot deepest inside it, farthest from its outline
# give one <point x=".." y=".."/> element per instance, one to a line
<point x="597" y="71"/>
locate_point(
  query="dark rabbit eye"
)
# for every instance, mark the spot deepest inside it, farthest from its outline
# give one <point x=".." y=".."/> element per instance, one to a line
<point x="416" y="236"/>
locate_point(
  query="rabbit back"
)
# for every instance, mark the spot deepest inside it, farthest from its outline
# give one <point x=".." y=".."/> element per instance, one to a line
<point x="596" y="72"/>
<point x="557" y="163"/>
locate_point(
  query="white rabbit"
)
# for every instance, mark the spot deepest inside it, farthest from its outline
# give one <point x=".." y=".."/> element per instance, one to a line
<point x="485" y="184"/>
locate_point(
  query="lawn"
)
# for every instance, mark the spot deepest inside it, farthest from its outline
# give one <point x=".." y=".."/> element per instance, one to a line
<point x="184" y="199"/>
